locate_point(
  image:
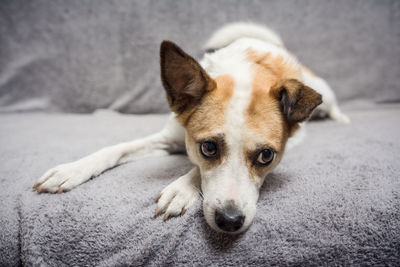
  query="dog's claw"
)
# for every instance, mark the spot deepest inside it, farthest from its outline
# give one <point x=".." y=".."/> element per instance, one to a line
<point x="41" y="190"/>
<point x="157" y="212"/>
<point x="59" y="191"/>
<point x="158" y="197"/>
<point x="183" y="211"/>
<point x="166" y="217"/>
<point x="36" y="185"/>
<point x="177" y="197"/>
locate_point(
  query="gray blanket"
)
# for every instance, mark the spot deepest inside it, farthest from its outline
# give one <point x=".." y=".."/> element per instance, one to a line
<point x="334" y="200"/>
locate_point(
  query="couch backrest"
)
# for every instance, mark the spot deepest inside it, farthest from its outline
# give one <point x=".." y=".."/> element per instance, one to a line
<point x="77" y="56"/>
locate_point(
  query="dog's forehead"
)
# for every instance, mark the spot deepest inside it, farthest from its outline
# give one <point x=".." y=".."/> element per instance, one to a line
<point x="253" y="115"/>
<point x="209" y="118"/>
<point x="241" y="107"/>
<point x="265" y="123"/>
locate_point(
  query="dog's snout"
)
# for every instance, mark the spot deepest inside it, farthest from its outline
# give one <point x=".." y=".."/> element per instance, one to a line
<point x="229" y="219"/>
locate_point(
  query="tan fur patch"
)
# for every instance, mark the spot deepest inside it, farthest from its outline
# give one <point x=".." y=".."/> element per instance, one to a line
<point x="265" y="122"/>
<point x="266" y="126"/>
<point x="207" y="120"/>
<point x="271" y="69"/>
<point x="263" y="114"/>
<point x="209" y="116"/>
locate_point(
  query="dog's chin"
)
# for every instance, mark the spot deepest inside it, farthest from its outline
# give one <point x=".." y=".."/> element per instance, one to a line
<point x="209" y="214"/>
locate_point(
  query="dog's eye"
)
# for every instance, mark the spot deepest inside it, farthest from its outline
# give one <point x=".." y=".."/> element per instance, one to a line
<point x="265" y="157"/>
<point x="208" y="149"/>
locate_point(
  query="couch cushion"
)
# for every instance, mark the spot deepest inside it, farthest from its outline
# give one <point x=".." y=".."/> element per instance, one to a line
<point x="335" y="199"/>
<point x="78" y="56"/>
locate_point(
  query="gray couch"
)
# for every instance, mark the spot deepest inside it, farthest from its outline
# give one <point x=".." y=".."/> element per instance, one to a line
<point x="335" y="200"/>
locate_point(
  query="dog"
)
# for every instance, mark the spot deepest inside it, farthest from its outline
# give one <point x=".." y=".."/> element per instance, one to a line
<point x="234" y="113"/>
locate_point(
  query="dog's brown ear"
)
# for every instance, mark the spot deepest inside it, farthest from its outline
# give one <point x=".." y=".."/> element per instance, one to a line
<point x="184" y="80"/>
<point x="297" y="100"/>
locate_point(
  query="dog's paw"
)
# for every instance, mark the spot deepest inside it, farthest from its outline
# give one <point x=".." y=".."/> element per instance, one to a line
<point x="62" y="178"/>
<point x="177" y="197"/>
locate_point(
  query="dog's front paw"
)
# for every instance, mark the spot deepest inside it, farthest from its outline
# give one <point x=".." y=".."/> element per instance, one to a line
<point x="178" y="196"/>
<point x="62" y="178"/>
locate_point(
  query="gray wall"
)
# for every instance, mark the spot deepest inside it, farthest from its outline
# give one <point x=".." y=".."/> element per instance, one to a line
<point x="76" y="56"/>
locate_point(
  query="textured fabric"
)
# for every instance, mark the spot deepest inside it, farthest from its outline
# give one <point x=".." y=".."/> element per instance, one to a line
<point x="334" y="200"/>
<point x="77" y="56"/>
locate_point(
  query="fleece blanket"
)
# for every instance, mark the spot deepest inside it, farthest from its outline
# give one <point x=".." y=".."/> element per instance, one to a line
<point x="333" y="200"/>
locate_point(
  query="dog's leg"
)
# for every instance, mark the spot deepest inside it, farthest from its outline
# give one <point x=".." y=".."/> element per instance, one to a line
<point x="64" y="177"/>
<point x="179" y="195"/>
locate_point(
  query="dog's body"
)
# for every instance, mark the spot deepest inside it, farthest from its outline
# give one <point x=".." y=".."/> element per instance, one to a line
<point x="233" y="113"/>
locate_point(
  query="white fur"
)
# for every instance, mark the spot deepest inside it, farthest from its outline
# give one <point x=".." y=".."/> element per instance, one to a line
<point x="231" y="180"/>
<point x="65" y="177"/>
<point x="233" y="31"/>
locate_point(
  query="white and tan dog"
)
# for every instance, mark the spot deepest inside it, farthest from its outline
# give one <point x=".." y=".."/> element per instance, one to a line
<point x="234" y="113"/>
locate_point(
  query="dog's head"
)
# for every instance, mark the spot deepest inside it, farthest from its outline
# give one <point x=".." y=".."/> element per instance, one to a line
<point x="237" y="124"/>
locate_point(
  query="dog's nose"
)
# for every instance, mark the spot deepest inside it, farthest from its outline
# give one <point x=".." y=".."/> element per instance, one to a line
<point x="229" y="219"/>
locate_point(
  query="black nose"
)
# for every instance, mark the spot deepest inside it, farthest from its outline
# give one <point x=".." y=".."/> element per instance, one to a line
<point x="229" y="219"/>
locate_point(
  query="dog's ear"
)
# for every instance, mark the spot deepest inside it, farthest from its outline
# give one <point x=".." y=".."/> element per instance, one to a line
<point x="184" y="80"/>
<point x="296" y="99"/>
